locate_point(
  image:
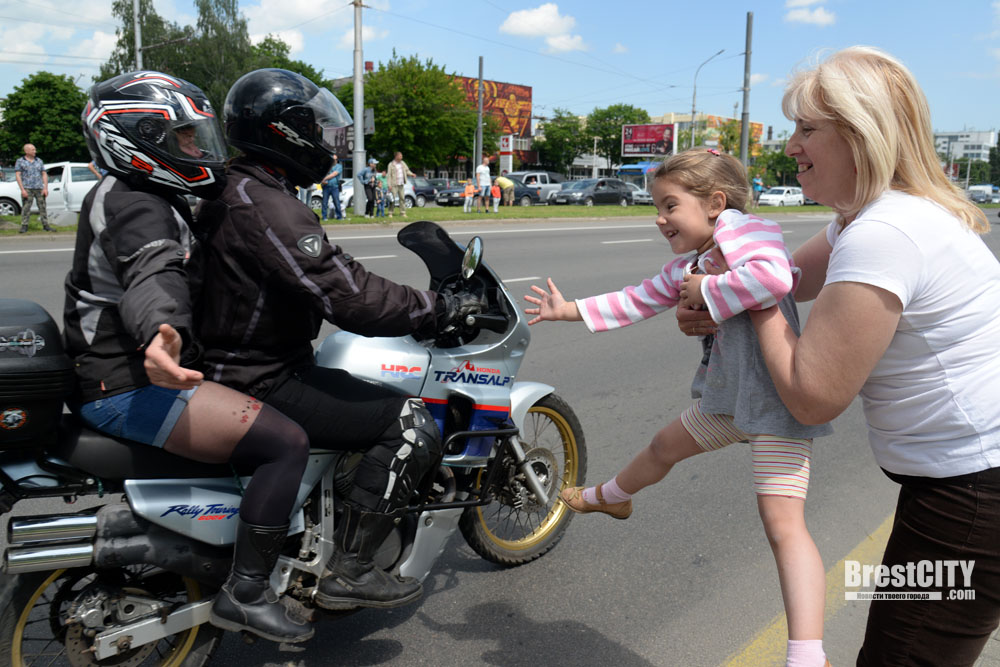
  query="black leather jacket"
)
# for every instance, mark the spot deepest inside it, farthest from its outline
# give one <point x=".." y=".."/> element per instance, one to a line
<point x="128" y="277"/>
<point x="270" y="278"/>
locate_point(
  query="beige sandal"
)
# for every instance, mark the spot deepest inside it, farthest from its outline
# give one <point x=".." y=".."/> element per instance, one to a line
<point x="572" y="497"/>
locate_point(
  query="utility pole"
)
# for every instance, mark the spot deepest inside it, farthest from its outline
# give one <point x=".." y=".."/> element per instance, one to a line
<point x="745" y="120"/>
<point x="593" y="173"/>
<point x="479" y="121"/>
<point x="138" y="34"/>
<point x="359" y="113"/>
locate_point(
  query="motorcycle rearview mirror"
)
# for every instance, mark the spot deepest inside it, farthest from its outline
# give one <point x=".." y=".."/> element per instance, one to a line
<point x="473" y="255"/>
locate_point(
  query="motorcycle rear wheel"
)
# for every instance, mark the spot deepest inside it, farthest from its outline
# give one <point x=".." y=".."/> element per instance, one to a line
<point x="33" y="629"/>
<point x="513" y="529"/>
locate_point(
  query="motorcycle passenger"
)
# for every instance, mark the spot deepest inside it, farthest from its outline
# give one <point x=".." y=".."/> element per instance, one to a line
<point x="128" y="316"/>
<point x="271" y="278"/>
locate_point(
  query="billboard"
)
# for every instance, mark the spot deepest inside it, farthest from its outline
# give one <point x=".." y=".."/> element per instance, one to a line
<point x="652" y="140"/>
<point x="508" y="103"/>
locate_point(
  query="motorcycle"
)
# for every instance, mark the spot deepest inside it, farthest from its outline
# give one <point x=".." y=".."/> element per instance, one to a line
<point x="130" y="581"/>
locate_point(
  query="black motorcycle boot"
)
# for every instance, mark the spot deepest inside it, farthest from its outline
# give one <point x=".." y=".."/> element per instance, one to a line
<point x="351" y="578"/>
<point x="247" y="602"/>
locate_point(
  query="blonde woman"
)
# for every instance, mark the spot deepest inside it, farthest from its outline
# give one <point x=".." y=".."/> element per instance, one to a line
<point x="906" y="313"/>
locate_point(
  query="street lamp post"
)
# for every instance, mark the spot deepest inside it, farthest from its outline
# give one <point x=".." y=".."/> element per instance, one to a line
<point x="694" y="93"/>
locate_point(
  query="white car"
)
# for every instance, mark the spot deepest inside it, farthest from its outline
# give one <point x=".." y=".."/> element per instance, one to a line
<point x="69" y="183"/>
<point x="782" y="196"/>
<point x="639" y="195"/>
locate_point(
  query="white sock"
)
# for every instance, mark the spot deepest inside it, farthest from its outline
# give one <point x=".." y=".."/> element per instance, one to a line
<point x="805" y="653"/>
<point x="610" y="490"/>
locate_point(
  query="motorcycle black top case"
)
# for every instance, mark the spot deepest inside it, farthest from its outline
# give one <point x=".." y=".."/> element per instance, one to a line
<point x="35" y="374"/>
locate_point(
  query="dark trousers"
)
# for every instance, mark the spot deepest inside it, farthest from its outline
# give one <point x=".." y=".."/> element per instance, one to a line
<point x="337" y="410"/>
<point x="369" y="199"/>
<point x="954" y="518"/>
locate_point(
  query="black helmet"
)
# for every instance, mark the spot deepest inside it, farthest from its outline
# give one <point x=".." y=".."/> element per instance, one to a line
<point x="150" y="128"/>
<point x="286" y="120"/>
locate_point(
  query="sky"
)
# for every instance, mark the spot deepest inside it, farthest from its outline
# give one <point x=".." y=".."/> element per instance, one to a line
<point x="579" y="55"/>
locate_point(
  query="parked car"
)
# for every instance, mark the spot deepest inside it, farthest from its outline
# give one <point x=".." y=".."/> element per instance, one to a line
<point x="423" y="190"/>
<point x="523" y="195"/>
<point x="981" y="197"/>
<point x="639" y="195"/>
<point x="782" y="196"/>
<point x="442" y="183"/>
<point x="548" y="181"/>
<point x="69" y="183"/>
<point x="593" y="191"/>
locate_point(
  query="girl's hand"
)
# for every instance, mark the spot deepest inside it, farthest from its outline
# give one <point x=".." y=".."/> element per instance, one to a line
<point x="551" y="305"/>
<point x="162" y="356"/>
<point x="691" y="290"/>
<point x="715" y="262"/>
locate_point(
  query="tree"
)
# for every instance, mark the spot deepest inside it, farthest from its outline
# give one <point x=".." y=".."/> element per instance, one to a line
<point x="606" y="125"/>
<point x="563" y="141"/>
<point x="162" y="39"/>
<point x="45" y="111"/>
<point x="973" y="173"/>
<point x="420" y="110"/>
<point x="776" y="167"/>
<point x="994" y="166"/>
<point x="729" y="137"/>
<point x="272" y="52"/>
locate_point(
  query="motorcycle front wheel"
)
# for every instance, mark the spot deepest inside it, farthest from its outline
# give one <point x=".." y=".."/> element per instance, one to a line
<point x="515" y="528"/>
<point x="35" y="608"/>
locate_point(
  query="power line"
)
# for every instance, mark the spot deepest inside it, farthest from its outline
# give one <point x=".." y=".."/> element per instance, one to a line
<point x="55" y="65"/>
<point x="50" y="22"/>
<point x="63" y="11"/>
<point x="49" y="55"/>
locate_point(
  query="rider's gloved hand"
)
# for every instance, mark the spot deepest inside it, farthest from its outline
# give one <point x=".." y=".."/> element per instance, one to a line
<point x="454" y="307"/>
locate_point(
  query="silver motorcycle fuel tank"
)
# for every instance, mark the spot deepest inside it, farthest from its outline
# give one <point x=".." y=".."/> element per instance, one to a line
<point x="401" y="362"/>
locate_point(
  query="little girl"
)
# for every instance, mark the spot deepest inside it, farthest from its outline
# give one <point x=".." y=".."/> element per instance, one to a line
<point x="701" y="198"/>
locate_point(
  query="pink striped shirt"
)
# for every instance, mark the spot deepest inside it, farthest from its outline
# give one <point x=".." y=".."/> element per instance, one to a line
<point x="760" y="274"/>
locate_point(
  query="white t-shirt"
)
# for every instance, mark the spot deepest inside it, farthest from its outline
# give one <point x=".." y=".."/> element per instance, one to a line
<point x="483" y="176"/>
<point x="933" y="400"/>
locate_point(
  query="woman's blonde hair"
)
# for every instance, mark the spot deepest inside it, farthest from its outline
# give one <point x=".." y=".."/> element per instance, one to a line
<point x="702" y="171"/>
<point x="877" y="106"/>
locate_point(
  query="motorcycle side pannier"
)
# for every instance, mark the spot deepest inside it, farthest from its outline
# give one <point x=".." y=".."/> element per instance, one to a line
<point x="35" y="374"/>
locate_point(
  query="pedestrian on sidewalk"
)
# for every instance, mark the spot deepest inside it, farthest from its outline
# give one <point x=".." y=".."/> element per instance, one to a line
<point x="34" y="183"/>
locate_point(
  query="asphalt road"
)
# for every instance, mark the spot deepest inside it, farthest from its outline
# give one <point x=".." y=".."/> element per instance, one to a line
<point x="688" y="580"/>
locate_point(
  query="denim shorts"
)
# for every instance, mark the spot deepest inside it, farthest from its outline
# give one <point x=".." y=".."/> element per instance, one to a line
<point x="146" y="415"/>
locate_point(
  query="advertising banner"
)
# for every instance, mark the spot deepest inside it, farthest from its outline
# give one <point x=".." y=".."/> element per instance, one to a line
<point x="654" y="140"/>
<point x="508" y="103"/>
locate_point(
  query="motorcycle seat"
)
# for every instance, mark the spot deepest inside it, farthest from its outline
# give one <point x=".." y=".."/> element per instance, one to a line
<point x="112" y="458"/>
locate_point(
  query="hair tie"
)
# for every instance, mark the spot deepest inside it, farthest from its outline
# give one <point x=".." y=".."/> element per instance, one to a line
<point x="714" y="151"/>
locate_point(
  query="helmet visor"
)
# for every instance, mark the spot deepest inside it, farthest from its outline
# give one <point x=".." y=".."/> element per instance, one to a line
<point x="331" y="120"/>
<point x="196" y="140"/>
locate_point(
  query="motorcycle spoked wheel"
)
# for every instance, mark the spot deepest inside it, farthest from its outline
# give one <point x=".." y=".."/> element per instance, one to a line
<point x="34" y="608"/>
<point x="514" y="529"/>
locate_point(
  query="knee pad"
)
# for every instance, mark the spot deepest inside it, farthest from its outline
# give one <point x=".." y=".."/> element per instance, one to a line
<point x="406" y="451"/>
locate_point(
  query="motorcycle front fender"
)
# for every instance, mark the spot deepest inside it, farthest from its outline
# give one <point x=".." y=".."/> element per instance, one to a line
<point x="523" y="396"/>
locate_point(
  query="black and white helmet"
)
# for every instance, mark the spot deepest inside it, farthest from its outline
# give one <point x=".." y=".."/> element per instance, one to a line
<point x="152" y="128"/>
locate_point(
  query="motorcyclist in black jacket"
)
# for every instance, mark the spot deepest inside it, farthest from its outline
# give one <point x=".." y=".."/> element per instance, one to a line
<point x="128" y="321"/>
<point x="270" y="279"/>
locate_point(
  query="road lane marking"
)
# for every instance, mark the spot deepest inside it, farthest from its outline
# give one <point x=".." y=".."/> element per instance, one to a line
<point x="521" y="280"/>
<point x="626" y="241"/>
<point x="28" y="252"/>
<point x="769" y="646"/>
<point x="376" y="257"/>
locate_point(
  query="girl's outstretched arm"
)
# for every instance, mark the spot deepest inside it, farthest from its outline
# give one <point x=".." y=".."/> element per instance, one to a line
<point x="551" y="305"/>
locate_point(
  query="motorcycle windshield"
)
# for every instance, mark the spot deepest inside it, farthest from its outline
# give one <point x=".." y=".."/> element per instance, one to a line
<point x="441" y="255"/>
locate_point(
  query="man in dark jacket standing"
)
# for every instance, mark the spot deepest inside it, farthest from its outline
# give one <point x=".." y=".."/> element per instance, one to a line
<point x="270" y="279"/>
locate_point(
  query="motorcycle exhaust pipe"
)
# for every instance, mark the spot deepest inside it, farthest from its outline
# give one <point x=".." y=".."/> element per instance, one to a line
<point x="19" y="560"/>
<point x="54" y="528"/>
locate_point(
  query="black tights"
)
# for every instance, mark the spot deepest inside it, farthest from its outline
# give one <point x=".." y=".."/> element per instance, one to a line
<point x="278" y="449"/>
